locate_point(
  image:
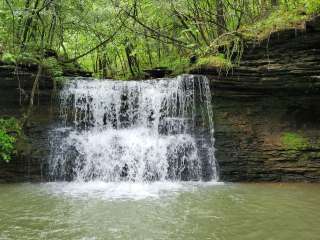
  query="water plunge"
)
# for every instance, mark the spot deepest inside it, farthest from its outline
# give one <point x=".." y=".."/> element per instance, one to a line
<point x="139" y="131"/>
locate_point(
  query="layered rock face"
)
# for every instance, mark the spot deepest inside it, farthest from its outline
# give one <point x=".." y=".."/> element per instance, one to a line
<point x="267" y="110"/>
<point x="268" y="138"/>
<point x="32" y="148"/>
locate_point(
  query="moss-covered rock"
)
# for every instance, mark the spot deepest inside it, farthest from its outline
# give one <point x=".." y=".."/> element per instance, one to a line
<point x="294" y="141"/>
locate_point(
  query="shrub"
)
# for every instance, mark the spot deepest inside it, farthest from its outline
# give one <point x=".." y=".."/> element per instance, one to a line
<point x="6" y="146"/>
<point x="8" y="58"/>
<point x="53" y="67"/>
<point x="313" y="6"/>
<point x="8" y="128"/>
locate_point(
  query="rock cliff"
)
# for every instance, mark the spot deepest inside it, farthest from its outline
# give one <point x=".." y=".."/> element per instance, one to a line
<point x="32" y="148"/>
<point x="267" y="110"/>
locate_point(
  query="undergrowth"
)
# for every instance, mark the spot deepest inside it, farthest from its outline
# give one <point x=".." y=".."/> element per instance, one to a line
<point x="10" y="129"/>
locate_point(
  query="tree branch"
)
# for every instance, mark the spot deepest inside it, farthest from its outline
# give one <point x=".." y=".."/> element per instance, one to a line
<point x="96" y="47"/>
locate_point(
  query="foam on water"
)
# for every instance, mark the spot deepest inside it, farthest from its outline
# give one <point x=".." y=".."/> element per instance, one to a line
<point x="124" y="190"/>
<point x="136" y="131"/>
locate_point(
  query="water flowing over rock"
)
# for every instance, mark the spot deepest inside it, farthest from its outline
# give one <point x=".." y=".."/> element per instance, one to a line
<point x="259" y="106"/>
<point x="135" y="131"/>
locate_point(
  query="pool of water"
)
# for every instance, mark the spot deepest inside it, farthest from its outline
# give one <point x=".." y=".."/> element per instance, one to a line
<point x="165" y="210"/>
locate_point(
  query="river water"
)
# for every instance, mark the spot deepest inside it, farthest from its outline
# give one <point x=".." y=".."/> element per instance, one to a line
<point x="98" y="210"/>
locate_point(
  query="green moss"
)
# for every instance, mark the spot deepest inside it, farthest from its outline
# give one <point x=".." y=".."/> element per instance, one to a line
<point x="8" y="58"/>
<point x="25" y="58"/>
<point x="28" y="58"/>
<point x="280" y="19"/>
<point x="213" y="61"/>
<point x="294" y="141"/>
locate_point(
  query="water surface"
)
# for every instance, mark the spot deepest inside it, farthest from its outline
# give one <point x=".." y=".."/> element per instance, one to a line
<point x="100" y="210"/>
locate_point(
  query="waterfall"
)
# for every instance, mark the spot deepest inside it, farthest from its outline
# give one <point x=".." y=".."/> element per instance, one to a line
<point x="151" y="130"/>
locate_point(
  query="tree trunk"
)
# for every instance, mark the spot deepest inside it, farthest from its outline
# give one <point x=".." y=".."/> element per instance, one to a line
<point x="33" y="92"/>
<point x="274" y="3"/>
<point x="221" y="23"/>
<point x="28" y="23"/>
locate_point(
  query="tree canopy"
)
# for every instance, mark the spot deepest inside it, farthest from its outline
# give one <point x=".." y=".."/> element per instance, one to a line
<point x="120" y="38"/>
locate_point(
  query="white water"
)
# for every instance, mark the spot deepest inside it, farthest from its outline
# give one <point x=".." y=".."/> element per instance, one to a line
<point x="124" y="190"/>
<point x="135" y="131"/>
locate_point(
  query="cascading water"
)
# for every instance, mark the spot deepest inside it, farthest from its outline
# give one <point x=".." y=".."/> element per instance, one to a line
<point x="140" y="131"/>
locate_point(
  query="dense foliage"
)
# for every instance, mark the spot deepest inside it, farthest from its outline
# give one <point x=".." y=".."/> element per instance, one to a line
<point x="120" y="38"/>
<point x="9" y="129"/>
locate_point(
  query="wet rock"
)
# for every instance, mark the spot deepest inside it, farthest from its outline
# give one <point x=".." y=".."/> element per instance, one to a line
<point x="159" y="72"/>
<point x="29" y="163"/>
<point x="250" y="138"/>
<point x="273" y="93"/>
<point x="313" y="25"/>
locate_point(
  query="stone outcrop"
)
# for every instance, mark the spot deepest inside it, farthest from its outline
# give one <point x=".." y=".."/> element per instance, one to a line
<point x="32" y="148"/>
<point x="267" y="110"/>
<point x="31" y="161"/>
<point x="268" y="138"/>
<point x="159" y="72"/>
